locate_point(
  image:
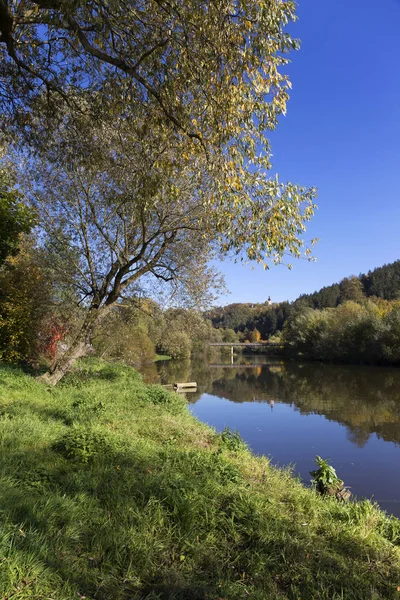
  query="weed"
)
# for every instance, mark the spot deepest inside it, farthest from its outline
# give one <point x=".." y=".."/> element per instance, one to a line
<point x="84" y="410"/>
<point x="82" y="444"/>
<point x="231" y="440"/>
<point x="156" y="394"/>
<point x="325" y="479"/>
<point x="227" y="471"/>
<point x="159" y="395"/>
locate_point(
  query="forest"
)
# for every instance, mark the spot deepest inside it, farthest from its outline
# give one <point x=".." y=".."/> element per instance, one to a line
<point x="355" y="320"/>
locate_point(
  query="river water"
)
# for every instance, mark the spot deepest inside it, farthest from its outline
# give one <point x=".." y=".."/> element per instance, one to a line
<point x="292" y="411"/>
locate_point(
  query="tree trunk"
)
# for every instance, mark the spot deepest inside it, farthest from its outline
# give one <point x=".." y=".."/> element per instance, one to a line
<point x="78" y="348"/>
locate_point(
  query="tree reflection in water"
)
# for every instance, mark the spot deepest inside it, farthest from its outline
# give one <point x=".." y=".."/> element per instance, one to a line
<point x="364" y="399"/>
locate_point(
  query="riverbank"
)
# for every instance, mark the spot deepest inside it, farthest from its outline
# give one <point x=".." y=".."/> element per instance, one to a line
<point x="110" y="489"/>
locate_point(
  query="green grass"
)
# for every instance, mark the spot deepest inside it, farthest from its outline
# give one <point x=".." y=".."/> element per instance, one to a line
<point x="111" y="490"/>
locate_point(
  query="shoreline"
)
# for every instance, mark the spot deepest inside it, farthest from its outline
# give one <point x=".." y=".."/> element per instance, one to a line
<point x="110" y="488"/>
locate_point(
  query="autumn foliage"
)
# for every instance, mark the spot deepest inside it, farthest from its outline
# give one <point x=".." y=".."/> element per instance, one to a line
<point x="53" y="333"/>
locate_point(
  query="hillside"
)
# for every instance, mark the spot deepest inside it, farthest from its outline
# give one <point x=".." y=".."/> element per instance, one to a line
<point x="267" y="319"/>
<point x="382" y="282"/>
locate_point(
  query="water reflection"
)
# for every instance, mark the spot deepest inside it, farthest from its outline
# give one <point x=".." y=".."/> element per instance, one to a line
<point x="365" y="399"/>
<point x="293" y="411"/>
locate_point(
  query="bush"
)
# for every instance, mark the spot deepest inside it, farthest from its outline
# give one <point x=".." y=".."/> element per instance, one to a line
<point x="24" y="303"/>
<point x="156" y="394"/>
<point x="159" y="395"/>
<point x="232" y="440"/>
<point x="82" y="444"/>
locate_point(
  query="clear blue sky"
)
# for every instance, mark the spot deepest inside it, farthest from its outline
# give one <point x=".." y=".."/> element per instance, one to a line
<point x="341" y="134"/>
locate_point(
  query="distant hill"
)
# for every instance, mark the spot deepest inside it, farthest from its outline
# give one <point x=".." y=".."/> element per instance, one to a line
<point x="267" y="318"/>
<point x="383" y="282"/>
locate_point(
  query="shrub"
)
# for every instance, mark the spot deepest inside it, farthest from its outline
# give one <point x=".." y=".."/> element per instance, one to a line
<point x="232" y="440"/>
<point x="52" y="333"/>
<point x="82" y="444"/>
<point x="156" y="394"/>
<point x="24" y="303"/>
<point x="159" y="395"/>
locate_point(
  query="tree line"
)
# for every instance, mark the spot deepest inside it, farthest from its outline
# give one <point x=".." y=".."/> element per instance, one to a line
<point x="354" y="332"/>
<point x="269" y="319"/>
<point x="382" y="282"/>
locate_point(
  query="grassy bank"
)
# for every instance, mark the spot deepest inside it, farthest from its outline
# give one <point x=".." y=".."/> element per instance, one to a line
<point x="111" y="490"/>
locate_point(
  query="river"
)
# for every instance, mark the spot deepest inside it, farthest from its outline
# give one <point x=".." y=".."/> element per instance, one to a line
<point x="292" y="411"/>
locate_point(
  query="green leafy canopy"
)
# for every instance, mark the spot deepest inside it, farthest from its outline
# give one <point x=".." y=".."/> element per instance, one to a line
<point x="15" y="218"/>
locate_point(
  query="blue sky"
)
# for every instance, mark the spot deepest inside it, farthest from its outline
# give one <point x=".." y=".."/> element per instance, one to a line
<point x="342" y="135"/>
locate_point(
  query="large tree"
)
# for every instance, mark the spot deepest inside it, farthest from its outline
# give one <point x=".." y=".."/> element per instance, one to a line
<point x="159" y="151"/>
<point x="211" y="70"/>
<point x="133" y="210"/>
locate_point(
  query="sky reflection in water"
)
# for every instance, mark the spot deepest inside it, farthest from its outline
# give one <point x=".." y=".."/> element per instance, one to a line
<point x="291" y="412"/>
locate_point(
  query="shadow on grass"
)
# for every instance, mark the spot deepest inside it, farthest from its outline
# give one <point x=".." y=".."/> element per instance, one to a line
<point x="100" y="527"/>
<point x="158" y="522"/>
<point x="141" y="527"/>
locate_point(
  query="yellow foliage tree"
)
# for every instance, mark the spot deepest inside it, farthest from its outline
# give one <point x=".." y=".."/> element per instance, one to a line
<point x="254" y="336"/>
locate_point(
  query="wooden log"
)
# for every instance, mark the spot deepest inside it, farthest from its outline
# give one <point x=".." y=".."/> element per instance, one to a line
<point x="340" y="492"/>
<point x="182" y="386"/>
<point x="344" y="494"/>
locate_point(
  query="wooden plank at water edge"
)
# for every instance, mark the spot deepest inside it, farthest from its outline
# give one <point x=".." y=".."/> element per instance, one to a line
<point x="184" y="386"/>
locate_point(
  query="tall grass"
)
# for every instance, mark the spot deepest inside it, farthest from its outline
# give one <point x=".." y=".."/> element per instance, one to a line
<point x="111" y="490"/>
